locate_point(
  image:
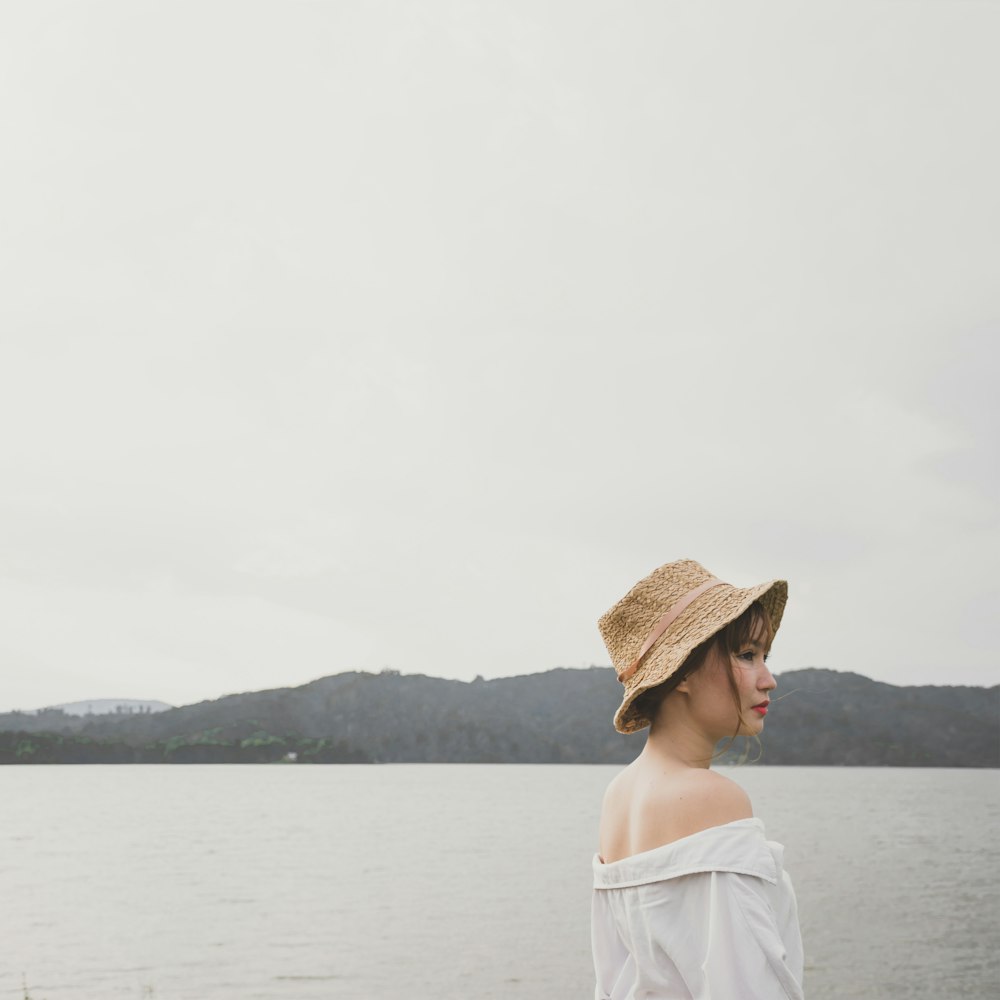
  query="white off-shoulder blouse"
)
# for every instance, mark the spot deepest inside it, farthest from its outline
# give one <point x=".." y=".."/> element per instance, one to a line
<point x="708" y="917"/>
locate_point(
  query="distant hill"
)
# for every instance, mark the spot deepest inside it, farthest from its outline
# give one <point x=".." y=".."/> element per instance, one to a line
<point x="560" y="716"/>
<point x="106" y="706"/>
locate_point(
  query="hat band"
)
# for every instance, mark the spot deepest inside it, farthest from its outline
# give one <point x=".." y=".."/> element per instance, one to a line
<point x="664" y="623"/>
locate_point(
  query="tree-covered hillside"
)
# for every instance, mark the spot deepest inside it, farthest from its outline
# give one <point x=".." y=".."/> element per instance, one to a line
<point x="560" y="716"/>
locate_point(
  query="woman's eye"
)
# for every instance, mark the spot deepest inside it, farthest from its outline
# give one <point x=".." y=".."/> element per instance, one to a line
<point x="748" y="655"/>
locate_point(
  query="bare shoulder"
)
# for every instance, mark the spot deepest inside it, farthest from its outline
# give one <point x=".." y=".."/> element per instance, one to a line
<point x="617" y="793"/>
<point x="687" y="803"/>
<point x="615" y="811"/>
<point x="706" y="798"/>
<point x="645" y="808"/>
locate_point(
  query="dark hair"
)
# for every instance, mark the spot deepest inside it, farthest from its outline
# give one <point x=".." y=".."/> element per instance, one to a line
<point x="753" y="624"/>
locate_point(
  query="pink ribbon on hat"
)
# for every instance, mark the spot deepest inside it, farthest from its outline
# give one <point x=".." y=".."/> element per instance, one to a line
<point x="664" y="623"/>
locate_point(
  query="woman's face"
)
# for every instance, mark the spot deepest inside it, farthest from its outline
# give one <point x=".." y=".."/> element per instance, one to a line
<point x="712" y="702"/>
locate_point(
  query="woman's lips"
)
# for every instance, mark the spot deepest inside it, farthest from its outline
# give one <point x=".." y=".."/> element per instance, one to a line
<point x="760" y="709"/>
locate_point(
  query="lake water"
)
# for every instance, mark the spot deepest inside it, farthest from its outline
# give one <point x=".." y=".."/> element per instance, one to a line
<point x="404" y="882"/>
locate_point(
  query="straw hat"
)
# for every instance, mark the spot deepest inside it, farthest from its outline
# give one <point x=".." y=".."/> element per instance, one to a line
<point x="651" y="631"/>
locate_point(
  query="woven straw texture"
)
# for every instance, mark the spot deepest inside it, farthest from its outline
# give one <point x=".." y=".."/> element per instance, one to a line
<point x="625" y="627"/>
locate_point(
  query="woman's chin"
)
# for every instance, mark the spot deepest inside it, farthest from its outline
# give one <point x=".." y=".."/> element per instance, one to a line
<point x="752" y="726"/>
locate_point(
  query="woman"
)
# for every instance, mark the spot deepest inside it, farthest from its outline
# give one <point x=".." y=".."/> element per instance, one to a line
<point x="690" y="900"/>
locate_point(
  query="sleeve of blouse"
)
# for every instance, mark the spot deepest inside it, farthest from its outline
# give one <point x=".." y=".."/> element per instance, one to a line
<point x="610" y="953"/>
<point x="734" y="947"/>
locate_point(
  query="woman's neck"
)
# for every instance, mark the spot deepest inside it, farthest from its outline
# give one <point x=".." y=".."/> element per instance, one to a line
<point x="674" y="740"/>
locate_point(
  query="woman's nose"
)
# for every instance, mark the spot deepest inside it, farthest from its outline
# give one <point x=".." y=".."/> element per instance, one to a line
<point x="767" y="681"/>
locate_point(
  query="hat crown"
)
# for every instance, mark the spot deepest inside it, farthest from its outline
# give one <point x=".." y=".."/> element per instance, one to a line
<point x="626" y="625"/>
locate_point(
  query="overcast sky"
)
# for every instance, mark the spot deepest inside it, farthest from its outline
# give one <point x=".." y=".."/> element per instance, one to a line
<point x="352" y="335"/>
